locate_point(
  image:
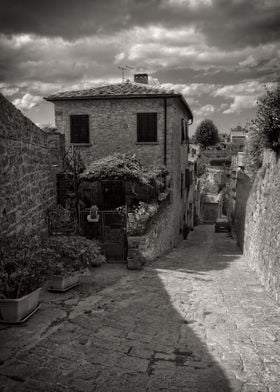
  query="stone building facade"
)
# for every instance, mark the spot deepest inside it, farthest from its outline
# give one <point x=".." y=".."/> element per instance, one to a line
<point x="113" y="114"/>
<point x="29" y="159"/>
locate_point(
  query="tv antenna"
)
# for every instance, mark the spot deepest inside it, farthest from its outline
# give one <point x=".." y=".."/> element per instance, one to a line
<point x="123" y="69"/>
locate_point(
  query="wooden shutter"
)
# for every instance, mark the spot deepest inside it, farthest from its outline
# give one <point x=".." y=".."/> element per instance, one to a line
<point x="182" y="130"/>
<point x="187" y="179"/>
<point x="79" y="128"/>
<point x="146" y="127"/>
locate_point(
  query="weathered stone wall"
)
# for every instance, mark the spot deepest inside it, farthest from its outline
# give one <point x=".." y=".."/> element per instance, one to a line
<point x="262" y="225"/>
<point x="158" y="239"/>
<point x="243" y="188"/>
<point x="27" y="171"/>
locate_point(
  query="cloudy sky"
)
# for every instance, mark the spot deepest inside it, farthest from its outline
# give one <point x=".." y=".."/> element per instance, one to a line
<point x="219" y="53"/>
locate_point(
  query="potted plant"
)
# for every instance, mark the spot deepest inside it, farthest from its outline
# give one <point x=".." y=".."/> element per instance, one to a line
<point x="22" y="275"/>
<point x="68" y="257"/>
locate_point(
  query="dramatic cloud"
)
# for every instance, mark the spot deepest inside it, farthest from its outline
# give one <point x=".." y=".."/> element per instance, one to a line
<point x="218" y="53"/>
<point x="27" y="101"/>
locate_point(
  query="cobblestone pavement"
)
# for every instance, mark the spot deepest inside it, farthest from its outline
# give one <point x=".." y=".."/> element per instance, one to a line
<point x="196" y="320"/>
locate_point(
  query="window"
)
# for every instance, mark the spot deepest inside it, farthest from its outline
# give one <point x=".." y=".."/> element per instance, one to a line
<point x="187" y="177"/>
<point x="183" y="135"/>
<point x="146" y="127"/>
<point x="182" y="185"/>
<point x="79" y="129"/>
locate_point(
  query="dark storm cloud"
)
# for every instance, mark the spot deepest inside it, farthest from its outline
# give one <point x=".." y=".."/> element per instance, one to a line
<point x="225" y="23"/>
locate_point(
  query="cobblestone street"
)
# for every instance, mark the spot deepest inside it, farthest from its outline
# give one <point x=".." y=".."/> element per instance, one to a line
<point x="196" y="320"/>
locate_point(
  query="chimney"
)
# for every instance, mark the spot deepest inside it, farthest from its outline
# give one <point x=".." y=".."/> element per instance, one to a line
<point x="141" y="78"/>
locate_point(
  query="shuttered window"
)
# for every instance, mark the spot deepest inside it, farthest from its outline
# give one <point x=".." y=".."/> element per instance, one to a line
<point x="183" y="134"/>
<point x="79" y="128"/>
<point x="187" y="178"/>
<point x="146" y="127"/>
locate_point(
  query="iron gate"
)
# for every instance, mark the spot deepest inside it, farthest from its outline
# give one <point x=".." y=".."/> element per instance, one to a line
<point x="110" y="229"/>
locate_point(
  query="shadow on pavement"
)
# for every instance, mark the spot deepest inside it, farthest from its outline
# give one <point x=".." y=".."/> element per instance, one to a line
<point x="134" y="335"/>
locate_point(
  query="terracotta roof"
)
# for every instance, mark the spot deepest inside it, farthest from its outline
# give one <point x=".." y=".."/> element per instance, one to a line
<point x="118" y="91"/>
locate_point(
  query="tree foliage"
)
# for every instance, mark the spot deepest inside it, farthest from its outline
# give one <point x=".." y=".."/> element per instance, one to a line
<point x="264" y="131"/>
<point x="123" y="166"/>
<point x="254" y="150"/>
<point x="268" y="119"/>
<point x="206" y="133"/>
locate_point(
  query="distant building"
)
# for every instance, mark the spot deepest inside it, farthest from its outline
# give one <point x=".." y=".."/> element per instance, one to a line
<point x="238" y="137"/>
<point x="211" y="208"/>
<point x="224" y="137"/>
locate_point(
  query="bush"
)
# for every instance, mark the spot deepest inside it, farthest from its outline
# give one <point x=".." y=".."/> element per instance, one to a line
<point x="253" y="151"/>
<point x="268" y="119"/>
<point x="67" y="254"/>
<point x="22" y="269"/>
<point x="139" y="217"/>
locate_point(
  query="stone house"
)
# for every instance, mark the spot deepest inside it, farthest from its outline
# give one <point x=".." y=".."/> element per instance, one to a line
<point x="130" y="117"/>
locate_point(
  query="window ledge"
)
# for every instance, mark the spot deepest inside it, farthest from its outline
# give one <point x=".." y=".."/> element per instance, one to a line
<point x="147" y="143"/>
<point x="81" y="144"/>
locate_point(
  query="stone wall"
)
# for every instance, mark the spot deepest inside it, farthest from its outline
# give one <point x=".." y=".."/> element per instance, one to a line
<point x="243" y="188"/>
<point x="28" y="164"/>
<point x="112" y="126"/>
<point x="262" y="225"/>
<point x="157" y="240"/>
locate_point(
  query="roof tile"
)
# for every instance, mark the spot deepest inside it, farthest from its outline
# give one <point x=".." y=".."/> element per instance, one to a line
<point x="119" y="89"/>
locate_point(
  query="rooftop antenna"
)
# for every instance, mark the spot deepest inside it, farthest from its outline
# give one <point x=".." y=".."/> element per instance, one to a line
<point x="123" y="69"/>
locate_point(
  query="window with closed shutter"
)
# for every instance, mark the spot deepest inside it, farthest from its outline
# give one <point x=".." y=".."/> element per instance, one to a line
<point x="146" y="127"/>
<point x="183" y="135"/>
<point x="79" y="129"/>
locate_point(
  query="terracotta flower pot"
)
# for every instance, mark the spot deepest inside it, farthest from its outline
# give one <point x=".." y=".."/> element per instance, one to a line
<point x="19" y="309"/>
<point x="64" y="283"/>
<point x="134" y="263"/>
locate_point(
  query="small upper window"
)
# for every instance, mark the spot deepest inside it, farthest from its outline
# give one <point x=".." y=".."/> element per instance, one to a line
<point x="79" y="129"/>
<point x="146" y="127"/>
<point x="183" y="131"/>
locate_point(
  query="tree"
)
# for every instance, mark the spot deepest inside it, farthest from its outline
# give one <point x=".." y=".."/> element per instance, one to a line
<point x="206" y="133"/>
<point x="268" y="119"/>
<point x="263" y="131"/>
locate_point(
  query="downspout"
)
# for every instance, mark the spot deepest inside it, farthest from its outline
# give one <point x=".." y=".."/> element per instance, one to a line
<point x="165" y="139"/>
<point x="165" y="132"/>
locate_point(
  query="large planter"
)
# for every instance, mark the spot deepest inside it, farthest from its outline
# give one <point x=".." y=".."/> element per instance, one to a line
<point x="19" y="310"/>
<point x="64" y="283"/>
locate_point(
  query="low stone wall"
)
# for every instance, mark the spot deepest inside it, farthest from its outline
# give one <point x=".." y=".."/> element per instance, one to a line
<point x="29" y="161"/>
<point x="243" y="188"/>
<point x="262" y="225"/>
<point x="157" y="240"/>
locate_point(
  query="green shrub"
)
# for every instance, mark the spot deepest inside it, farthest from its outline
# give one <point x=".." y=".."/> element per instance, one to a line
<point x="21" y="267"/>
<point x="66" y="254"/>
<point x="264" y="131"/>
<point x="268" y="119"/>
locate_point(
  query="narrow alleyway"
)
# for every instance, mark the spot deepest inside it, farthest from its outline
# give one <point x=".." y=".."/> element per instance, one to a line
<point x="196" y="320"/>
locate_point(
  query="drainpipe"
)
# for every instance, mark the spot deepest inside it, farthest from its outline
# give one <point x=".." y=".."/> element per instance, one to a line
<point x="165" y="133"/>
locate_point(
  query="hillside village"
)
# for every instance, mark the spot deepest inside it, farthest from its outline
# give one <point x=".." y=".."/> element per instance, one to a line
<point x="120" y="184"/>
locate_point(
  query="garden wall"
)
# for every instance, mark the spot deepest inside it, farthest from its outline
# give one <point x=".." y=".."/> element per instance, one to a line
<point x="29" y="160"/>
<point x="159" y="237"/>
<point x="243" y="188"/>
<point x="262" y="225"/>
